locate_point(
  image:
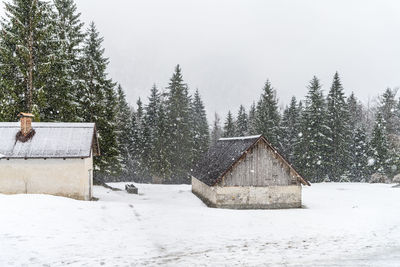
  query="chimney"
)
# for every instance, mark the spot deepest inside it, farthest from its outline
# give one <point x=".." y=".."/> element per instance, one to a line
<point x="26" y="122"/>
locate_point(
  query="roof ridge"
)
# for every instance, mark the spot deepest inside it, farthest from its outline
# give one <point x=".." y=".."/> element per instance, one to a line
<point x="50" y="124"/>
<point x="240" y="137"/>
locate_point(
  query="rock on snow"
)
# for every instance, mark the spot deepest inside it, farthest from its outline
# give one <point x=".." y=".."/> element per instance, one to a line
<point x="341" y="225"/>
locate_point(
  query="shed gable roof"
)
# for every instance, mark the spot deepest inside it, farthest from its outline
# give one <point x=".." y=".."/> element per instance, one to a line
<point x="221" y="157"/>
<point x="51" y="140"/>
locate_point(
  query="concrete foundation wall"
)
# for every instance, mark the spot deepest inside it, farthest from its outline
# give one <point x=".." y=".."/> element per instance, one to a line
<point x="248" y="197"/>
<point x="206" y="193"/>
<point x="70" y="177"/>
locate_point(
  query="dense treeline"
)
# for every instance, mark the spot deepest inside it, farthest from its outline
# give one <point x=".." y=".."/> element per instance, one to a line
<point x="167" y="136"/>
<point x="327" y="138"/>
<point x="52" y="66"/>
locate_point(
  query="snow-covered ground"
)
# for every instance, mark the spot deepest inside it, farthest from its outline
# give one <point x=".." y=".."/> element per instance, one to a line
<point x="340" y="225"/>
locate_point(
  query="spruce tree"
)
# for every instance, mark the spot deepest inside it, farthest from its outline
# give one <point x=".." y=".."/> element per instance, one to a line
<point x="229" y="126"/>
<point x="26" y="57"/>
<point x="290" y="130"/>
<point x="242" y="122"/>
<point x="161" y="169"/>
<point x="200" y="130"/>
<point x="155" y="131"/>
<point x="124" y="131"/>
<point x="387" y="108"/>
<point x="358" y="156"/>
<point x="141" y="146"/>
<point x="358" y="144"/>
<point x="216" y="132"/>
<point x="380" y="157"/>
<point x="156" y="125"/>
<point x="139" y="112"/>
<point x="268" y="117"/>
<point x="63" y="82"/>
<point x="338" y="131"/>
<point x="179" y="134"/>
<point x="133" y="159"/>
<point x="355" y="111"/>
<point x="397" y="118"/>
<point x="252" y="121"/>
<point x="150" y="118"/>
<point x="98" y="103"/>
<point x="311" y="154"/>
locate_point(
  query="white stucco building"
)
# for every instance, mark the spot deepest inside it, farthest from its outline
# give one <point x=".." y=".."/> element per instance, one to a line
<point x="47" y="158"/>
<point x="247" y="173"/>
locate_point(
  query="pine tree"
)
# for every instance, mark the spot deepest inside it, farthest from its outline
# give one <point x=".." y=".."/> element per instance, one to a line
<point x="268" y="117"/>
<point x="179" y="135"/>
<point x="379" y="147"/>
<point x="252" y="121"/>
<point x="242" y="122"/>
<point x="312" y="150"/>
<point x="98" y="102"/>
<point x="216" y="132"/>
<point x="338" y="131"/>
<point x="200" y="130"/>
<point x="26" y="57"/>
<point x="229" y="126"/>
<point x="290" y="130"/>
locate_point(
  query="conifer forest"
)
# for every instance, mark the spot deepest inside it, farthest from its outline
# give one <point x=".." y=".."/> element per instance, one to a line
<point x="53" y="65"/>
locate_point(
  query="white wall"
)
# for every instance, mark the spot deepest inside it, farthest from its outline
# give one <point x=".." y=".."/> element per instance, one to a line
<point x="69" y="177"/>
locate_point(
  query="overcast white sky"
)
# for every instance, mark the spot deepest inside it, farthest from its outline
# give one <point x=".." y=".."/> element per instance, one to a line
<point x="228" y="48"/>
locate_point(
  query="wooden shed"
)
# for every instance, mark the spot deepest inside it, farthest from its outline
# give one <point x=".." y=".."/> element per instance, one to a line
<point x="47" y="158"/>
<point x="247" y="173"/>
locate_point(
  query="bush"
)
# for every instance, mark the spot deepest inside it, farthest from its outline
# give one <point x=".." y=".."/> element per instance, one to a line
<point x="379" y="178"/>
<point x="396" y="179"/>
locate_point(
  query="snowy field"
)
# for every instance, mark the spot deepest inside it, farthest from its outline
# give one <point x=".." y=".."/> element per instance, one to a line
<point x="340" y="225"/>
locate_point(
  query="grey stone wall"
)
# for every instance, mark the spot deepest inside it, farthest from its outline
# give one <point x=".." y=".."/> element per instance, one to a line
<point x="248" y="197"/>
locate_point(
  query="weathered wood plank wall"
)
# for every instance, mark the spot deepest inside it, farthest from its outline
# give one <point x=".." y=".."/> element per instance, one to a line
<point x="261" y="167"/>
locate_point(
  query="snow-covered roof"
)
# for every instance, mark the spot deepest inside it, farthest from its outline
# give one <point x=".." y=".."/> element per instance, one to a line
<point x="51" y="140"/>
